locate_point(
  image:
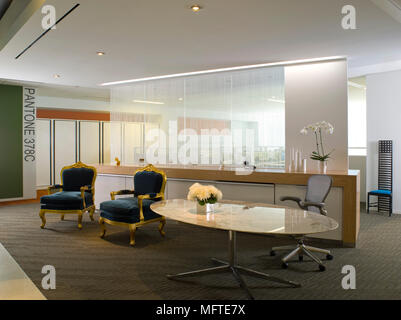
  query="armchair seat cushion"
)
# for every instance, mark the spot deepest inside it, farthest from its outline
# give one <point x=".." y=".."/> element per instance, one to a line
<point x="127" y="210"/>
<point x="66" y="200"/>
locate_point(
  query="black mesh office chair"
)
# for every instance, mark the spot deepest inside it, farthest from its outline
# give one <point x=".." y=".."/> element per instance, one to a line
<point x="318" y="188"/>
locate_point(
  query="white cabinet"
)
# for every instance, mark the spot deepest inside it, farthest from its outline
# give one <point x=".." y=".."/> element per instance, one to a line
<point x="264" y="193"/>
<point x="334" y="206"/>
<point x="178" y="189"/>
<point x="107" y="183"/>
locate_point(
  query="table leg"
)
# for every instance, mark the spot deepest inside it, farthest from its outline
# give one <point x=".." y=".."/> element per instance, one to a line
<point x="199" y="272"/>
<point x="235" y="269"/>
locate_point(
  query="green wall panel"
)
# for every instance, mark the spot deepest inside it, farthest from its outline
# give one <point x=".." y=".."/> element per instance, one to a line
<point x="11" y="170"/>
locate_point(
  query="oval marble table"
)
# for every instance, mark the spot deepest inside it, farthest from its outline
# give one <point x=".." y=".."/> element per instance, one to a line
<point x="245" y="217"/>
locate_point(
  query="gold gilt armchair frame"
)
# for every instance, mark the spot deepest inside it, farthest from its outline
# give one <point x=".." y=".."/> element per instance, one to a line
<point x="56" y="188"/>
<point x="133" y="226"/>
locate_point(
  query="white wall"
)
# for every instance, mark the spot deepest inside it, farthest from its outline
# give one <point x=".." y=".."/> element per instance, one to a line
<point x="384" y="122"/>
<point x="67" y="103"/>
<point x="359" y="163"/>
<point x="73" y="98"/>
<point x="316" y="92"/>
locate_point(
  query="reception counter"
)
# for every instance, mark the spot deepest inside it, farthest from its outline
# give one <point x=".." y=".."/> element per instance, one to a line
<point x="261" y="185"/>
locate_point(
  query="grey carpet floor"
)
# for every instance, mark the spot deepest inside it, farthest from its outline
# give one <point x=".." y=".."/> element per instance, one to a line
<point x="88" y="267"/>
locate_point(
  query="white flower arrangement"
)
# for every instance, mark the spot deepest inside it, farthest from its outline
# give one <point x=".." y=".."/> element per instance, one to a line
<point x="204" y="194"/>
<point x="317" y="129"/>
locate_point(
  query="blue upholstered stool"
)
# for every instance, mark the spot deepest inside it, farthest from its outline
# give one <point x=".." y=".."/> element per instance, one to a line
<point x="385" y="178"/>
<point x="380" y="193"/>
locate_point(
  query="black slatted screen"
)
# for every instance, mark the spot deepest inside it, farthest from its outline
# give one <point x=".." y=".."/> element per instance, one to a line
<point x="385" y="172"/>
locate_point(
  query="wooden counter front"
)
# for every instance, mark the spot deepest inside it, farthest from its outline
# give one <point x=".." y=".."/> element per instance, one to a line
<point x="349" y="181"/>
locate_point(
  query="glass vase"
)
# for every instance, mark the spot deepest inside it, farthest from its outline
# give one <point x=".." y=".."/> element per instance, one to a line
<point x="322" y="166"/>
<point x="206" y="208"/>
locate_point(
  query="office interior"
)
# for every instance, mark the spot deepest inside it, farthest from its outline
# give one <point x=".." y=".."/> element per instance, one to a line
<point x="108" y="98"/>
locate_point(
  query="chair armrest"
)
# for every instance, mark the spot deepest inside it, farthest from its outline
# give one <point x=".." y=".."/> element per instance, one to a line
<point x="87" y="188"/>
<point x="147" y="196"/>
<point x="285" y="198"/>
<point x="83" y="189"/>
<point x="113" y="194"/>
<point x="296" y="199"/>
<point x="150" y="196"/>
<point x="53" y="188"/>
<point x="319" y="205"/>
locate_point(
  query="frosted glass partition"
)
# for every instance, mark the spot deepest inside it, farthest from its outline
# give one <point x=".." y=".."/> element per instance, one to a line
<point x="133" y="141"/>
<point x="43" y="141"/>
<point x="115" y="138"/>
<point x="106" y="143"/>
<point x="89" y="151"/>
<point x="64" y="152"/>
<point x="220" y="118"/>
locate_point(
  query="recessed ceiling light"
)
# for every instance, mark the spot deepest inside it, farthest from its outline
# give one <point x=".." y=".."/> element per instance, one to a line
<point x="57" y="76"/>
<point x="100" y="53"/>
<point x="180" y="99"/>
<point x="196" y="8"/>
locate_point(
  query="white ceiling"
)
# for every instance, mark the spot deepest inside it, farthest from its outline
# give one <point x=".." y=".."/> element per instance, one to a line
<point x="144" y="38"/>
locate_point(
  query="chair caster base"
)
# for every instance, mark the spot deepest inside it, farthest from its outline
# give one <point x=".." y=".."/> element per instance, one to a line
<point x="322" y="267"/>
<point x="329" y="257"/>
<point x="272" y="253"/>
<point x="284" y="265"/>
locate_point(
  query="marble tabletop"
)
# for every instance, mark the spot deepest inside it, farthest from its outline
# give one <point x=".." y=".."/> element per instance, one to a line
<point x="247" y="217"/>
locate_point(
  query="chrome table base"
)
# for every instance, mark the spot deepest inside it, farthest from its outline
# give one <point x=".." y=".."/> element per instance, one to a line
<point x="235" y="269"/>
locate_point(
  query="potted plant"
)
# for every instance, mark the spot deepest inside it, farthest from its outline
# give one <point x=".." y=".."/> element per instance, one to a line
<point x="205" y="197"/>
<point x="319" y="154"/>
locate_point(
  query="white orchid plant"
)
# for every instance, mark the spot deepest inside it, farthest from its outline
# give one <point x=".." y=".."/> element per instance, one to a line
<point x="204" y="194"/>
<point x="317" y="129"/>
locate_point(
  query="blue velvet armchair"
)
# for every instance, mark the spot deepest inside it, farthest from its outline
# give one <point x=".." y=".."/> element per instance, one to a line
<point x="134" y="211"/>
<point x="75" y="194"/>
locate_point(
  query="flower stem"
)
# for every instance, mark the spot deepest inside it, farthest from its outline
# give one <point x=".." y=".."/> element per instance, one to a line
<point x="317" y="143"/>
<point x="321" y="141"/>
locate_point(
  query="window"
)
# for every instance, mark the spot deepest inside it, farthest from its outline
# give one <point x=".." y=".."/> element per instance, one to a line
<point x="357" y="138"/>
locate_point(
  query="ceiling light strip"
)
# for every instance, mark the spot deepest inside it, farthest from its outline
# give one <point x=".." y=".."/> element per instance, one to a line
<point x="147" y="101"/>
<point x="276" y="100"/>
<point x="356" y="85"/>
<point x="262" y="65"/>
<point x="47" y="30"/>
